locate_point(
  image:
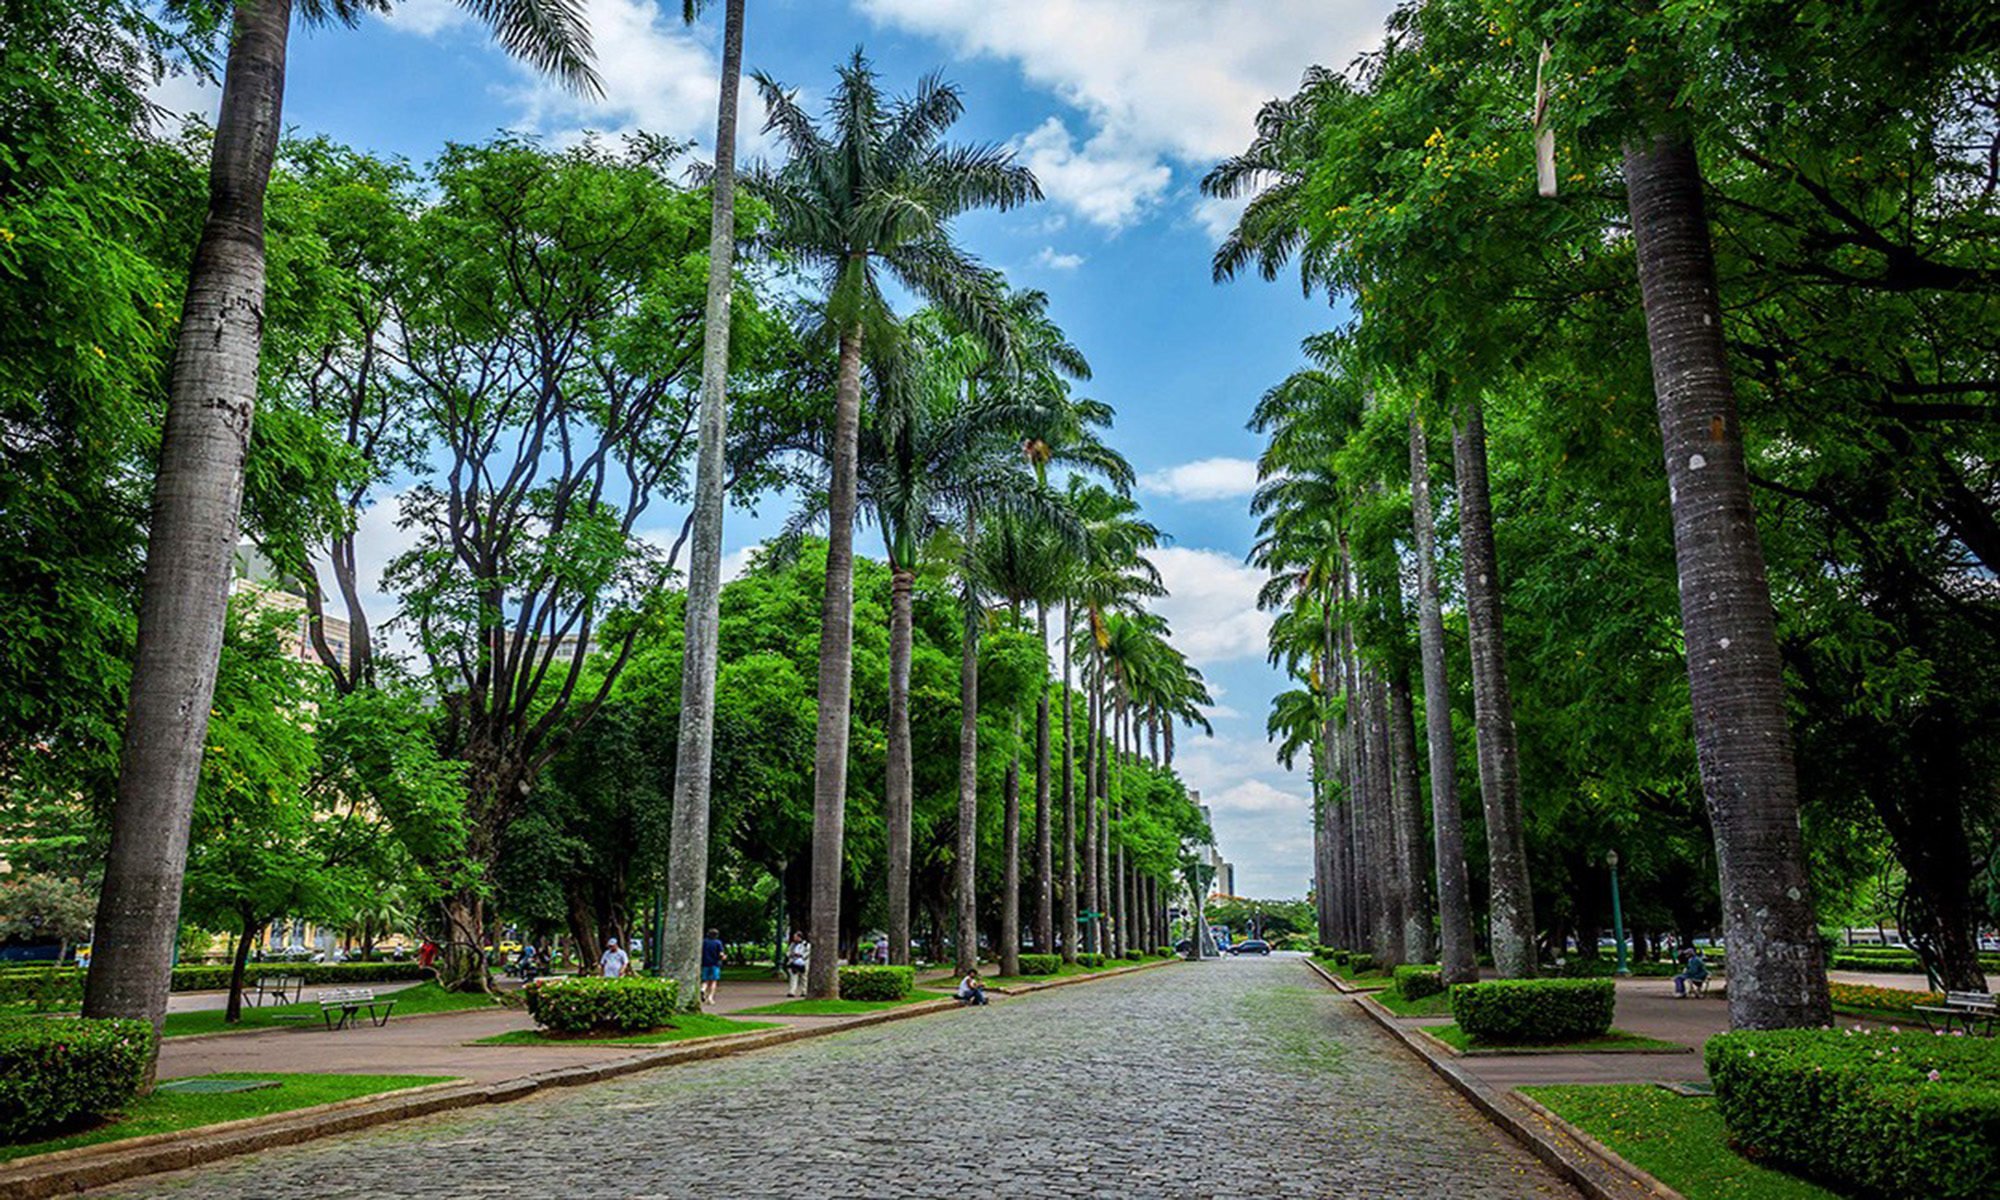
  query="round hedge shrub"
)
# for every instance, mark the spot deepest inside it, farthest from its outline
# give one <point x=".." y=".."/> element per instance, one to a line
<point x="1874" y="1114"/>
<point x="1414" y="982"/>
<point x="1360" y="964"/>
<point x="876" y="983"/>
<point x="1090" y="960"/>
<point x="633" y="1004"/>
<point x="1533" y="1011"/>
<point x="57" y="1072"/>
<point x="1135" y="954"/>
<point x="1163" y="952"/>
<point x="1040" y="964"/>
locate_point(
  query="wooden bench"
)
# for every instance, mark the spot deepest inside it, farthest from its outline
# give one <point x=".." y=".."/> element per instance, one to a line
<point x="1975" y="1011"/>
<point x="347" y="1004"/>
<point x="280" y="989"/>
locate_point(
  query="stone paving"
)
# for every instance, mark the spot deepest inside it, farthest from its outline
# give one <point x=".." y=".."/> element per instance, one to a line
<point x="1224" y="1079"/>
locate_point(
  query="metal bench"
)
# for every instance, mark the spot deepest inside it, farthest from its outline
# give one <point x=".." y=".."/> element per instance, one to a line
<point x="1974" y="1011"/>
<point x="279" y="989"/>
<point x="343" y="1007"/>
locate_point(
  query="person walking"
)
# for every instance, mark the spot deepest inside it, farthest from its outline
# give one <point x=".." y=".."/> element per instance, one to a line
<point x="798" y="956"/>
<point x="613" y="962"/>
<point x="712" y="957"/>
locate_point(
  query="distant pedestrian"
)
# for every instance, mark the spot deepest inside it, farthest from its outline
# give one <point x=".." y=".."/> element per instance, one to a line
<point x="427" y="955"/>
<point x="1694" y="970"/>
<point x="613" y="962"/>
<point x="882" y="950"/>
<point x="712" y="957"/>
<point x="971" y="989"/>
<point x="798" y="956"/>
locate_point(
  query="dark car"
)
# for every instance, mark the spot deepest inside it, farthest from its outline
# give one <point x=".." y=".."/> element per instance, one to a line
<point x="1252" y="946"/>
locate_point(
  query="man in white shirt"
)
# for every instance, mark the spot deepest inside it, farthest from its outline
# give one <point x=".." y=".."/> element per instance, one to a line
<point x="614" y="962"/>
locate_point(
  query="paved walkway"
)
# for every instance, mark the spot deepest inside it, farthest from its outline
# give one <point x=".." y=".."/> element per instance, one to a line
<point x="1224" y="1079"/>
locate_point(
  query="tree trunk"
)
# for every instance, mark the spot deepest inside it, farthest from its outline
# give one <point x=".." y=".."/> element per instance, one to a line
<point x="968" y="762"/>
<point x="233" y="1010"/>
<point x="1382" y="819"/>
<point x="192" y="534"/>
<point x="1069" y="907"/>
<point x="1511" y="906"/>
<point x="461" y="961"/>
<point x="1010" y="848"/>
<point x="1743" y="738"/>
<point x="1092" y="885"/>
<point x="896" y="796"/>
<point x="1416" y="864"/>
<point x="1045" y="898"/>
<point x="1456" y="955"/>
<point x="836" y="679"/>
<point x="687" y="853"/>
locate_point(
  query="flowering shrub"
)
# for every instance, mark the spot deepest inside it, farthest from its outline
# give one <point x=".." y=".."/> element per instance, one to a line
<point x="633" y="1004"/>
<point x="1882" y="999"/>
<point x="876" y="983"/>
<point x="1531" y="1011"/>
<point x="56" y="1072"/>
<point x="1897" y="1113"/>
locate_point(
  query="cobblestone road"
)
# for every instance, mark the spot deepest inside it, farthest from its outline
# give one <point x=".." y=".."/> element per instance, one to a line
<point x="1231" y="1079"/>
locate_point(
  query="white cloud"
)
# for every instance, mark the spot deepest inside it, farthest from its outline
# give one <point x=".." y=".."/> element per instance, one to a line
<point x="1203" y="479"/>
<point x="1056" y="260"/>
<point x="1162" y="83"/>
<point x="1106" y="184"/>
<point x="1212" y="605"/>
<point x="182" y="95"/>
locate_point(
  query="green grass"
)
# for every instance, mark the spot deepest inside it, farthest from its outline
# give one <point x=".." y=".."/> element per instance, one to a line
<point x="167" y="1114"/>
<point x="835" y="1008"/>
<point x="1368" y="982"/>
<point x="1616" y="1040"/>
<point x="1438" y="1005"/>
<point x="1679" y="1140"/>
<point x="417" y="998"/>
<point x="686" y="1027"/>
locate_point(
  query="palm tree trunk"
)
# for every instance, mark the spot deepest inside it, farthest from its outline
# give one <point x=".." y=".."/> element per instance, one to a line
<point x="197" y="502"/>
<point x="1511" y="904"/>
<point x="1091" y="753"/>
<point x="1045" y="898"/>
<point x="1010" y="839"/>
<point x="836" y="679"/>
<point x="1742" y="736"/>
<point x="896" y="797"/>
<point x="967" y="938"/>
<point x="1069" y="906"/>
<point x="1382" y="818"/>
<point x="1416" y="866"/>
<point x="687" y="852"/>
<point x="1105" y="776"/>
<point x="1456" y="955"/>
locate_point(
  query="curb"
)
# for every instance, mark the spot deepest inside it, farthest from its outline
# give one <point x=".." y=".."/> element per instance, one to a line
<point x="65" y="1172"/>
<point x="1590" y="1168"/>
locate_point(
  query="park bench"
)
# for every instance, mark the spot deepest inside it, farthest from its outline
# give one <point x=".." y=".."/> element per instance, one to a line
<point x="1975" y="1011"/>
<point x="279" y="989"/>
<point x="344" y="1006"/>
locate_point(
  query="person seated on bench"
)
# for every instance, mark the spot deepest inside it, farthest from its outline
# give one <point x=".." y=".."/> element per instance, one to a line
<point x="971" y="989"/>
<point x="1694" y="970"/>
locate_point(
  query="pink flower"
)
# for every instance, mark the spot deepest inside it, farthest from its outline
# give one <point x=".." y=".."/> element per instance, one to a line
<point x="1934" y="1076"/>
<point x="1893" y="1029"/>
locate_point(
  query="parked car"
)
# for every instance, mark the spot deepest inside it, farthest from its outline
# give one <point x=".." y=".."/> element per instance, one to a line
<point x="1251" y="946"/>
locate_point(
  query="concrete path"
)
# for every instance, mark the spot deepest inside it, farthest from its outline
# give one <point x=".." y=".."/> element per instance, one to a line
<point x="1224" y="1079"/>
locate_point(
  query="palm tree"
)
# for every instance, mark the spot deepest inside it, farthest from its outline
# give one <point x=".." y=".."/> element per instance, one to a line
<point x="878" y="193"/>
<point x="1743" y="737"/>
<point x="198" y="491"/>
<point x="1456" y="953"/>
<point x="687" y="852"/>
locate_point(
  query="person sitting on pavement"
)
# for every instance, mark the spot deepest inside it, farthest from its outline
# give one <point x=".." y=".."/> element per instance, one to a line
<point x="1694" y="969"/>
<point x="971" y="989"/>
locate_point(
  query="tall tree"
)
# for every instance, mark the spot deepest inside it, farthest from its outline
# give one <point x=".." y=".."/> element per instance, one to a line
<point x="198" y="488"/>
<point x="687" y="866"/>
<point x="877" y="194"/>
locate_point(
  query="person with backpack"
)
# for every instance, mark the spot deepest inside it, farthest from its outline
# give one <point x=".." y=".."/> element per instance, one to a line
<point x="798" y="956"/>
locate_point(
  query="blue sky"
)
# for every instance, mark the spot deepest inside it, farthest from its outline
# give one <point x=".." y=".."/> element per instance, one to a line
<point x="1119" y="106"/>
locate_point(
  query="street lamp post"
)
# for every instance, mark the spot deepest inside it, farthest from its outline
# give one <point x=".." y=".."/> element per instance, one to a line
<point x="1617" y="913"/>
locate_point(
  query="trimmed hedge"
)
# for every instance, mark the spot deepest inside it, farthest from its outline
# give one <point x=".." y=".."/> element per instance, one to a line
<point x="44" y="989"/>
<point x="1360" y="964"/>
<point x="1136" y="954"/>
<point x="879" y="983"/>
<point x="585" y="1004"/>
<point x="1533" y="1011"/>
<point x="1163" y="952"/>
<point x="56" y="1072"/>
<point x="1088" y="959"/>
<point x="1874" y="1114"/>
<point x="1414" y="982"/>
<point x="203" y="979"/>
<point x="1040" y="964"/>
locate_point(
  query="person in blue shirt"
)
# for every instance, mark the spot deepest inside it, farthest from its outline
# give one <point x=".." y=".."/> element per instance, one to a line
<point x="711" y="966"/>
<point x="1694" y="969"/>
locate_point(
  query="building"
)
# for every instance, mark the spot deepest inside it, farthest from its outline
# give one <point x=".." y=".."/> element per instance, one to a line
<point x="255" y="576"/>
<point x="1222" y="873"/>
